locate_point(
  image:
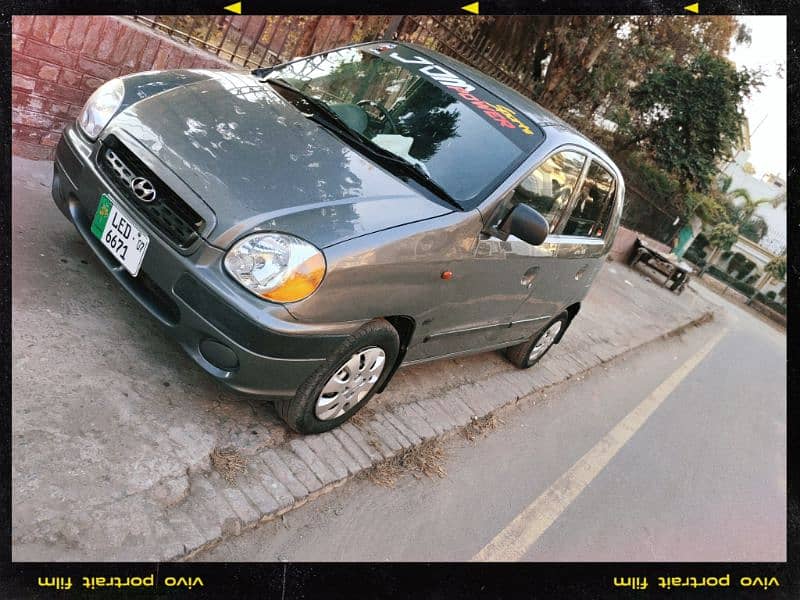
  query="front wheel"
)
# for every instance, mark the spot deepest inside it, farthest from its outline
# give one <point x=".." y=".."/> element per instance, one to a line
<point x="528" y="353"/>
<point x="345" y="382"/>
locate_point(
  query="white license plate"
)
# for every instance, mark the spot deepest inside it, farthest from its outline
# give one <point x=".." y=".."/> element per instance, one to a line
<point x="117" y="231"/>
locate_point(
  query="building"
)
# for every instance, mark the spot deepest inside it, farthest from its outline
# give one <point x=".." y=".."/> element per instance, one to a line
<point x="769" y="186"/>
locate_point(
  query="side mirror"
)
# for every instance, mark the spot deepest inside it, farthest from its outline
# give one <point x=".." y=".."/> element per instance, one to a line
<point x="527" y="224"/>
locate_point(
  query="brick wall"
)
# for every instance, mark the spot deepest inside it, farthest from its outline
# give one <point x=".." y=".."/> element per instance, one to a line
<point x="622" y="248"/>
<point x="58" y="61"/>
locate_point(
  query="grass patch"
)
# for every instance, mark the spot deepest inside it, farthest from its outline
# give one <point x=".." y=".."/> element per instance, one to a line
<point x="480" y="426"/>
<point x="228" y="462"/>
<point x="425" y="459"/>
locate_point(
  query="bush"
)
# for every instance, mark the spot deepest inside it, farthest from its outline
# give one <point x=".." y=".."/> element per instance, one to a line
<point x="741" y="265"/>
<point x="695" y="255"/>
<point x="767" y="301"/>
<point x="771" y="295"/>
<point x="747" y="289"/>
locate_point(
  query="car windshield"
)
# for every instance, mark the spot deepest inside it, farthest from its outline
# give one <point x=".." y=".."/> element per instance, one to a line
<point x="463" y="137"/>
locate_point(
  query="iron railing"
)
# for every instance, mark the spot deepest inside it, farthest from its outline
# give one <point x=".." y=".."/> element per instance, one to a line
<point x="259" y="40"/>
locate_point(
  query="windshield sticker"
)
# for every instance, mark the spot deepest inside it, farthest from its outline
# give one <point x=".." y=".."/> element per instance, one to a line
<point x="501" y="115"/>
<point x="382" y="48"/>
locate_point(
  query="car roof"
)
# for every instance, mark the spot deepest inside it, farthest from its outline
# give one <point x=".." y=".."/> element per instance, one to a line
<point x="536" y="112"/>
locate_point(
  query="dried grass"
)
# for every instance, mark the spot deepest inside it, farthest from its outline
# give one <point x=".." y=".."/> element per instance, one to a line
<point x="362" y="416"/>
<point x="424" y="459"/>
<point x="480" y="426"/>
<point x="228" y="462"/>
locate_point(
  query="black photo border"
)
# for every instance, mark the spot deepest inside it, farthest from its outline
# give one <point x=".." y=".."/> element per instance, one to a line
<point x="400" y="580"/>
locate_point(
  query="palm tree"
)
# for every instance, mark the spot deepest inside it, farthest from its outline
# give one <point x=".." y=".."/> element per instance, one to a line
<point x="727" y="233"/>
<point x="745" y="212"/>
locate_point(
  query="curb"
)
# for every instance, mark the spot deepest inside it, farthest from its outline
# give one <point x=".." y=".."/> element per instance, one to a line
<point x="353" y="450"/>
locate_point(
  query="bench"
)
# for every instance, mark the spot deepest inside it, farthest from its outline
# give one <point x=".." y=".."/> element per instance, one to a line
<point x="677" y="275"/>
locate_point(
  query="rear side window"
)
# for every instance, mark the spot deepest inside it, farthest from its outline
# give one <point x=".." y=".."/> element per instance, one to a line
<point x="549" y="187"/>
<point x="593" y="207"/>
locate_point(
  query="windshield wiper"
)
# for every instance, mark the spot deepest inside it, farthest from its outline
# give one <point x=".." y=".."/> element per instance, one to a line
<point x="315" y="104"/>
<point x="389" y="159"/>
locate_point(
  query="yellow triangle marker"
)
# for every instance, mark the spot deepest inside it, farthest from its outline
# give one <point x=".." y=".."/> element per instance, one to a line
<point x="695" y="8"/>
<point x="235" y="8"/>
<point x="472" y="8"/>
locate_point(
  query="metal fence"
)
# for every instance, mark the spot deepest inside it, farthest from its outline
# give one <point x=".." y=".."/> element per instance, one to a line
<point x="255" y="41"/>
<point x="258" y="40"/>
<point x="469" y="39"/>
<point x="643" y="215"/>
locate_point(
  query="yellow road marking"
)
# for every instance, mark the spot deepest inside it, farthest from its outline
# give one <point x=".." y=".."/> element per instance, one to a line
<point x="527" y="527"/>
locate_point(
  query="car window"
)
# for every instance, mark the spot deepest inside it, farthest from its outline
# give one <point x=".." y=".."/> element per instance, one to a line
<point x="549" y="187"/>
<point x="592" y="211"/>
<point x="461" y="135"/>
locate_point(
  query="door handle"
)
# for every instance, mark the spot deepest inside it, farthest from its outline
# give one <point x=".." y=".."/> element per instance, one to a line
<point x="529" y="277"/>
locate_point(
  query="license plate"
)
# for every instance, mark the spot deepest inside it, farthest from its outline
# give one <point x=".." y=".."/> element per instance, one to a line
<point x="117" y="232"/>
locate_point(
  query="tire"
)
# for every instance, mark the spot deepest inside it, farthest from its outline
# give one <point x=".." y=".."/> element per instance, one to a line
<point x="351" y="361"/>
<point x="520" y="355"/>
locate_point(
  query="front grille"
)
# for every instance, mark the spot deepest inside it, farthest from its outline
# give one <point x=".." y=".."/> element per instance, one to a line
<point x="168" y="212"/>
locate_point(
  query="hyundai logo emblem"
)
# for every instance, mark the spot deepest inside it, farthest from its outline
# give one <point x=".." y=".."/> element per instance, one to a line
<point x="143" y="189"/>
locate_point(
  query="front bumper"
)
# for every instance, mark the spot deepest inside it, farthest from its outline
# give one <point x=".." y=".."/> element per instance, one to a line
<point x="250" y="345"/>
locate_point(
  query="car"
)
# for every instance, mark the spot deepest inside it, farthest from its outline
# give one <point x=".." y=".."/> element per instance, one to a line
<point x="304" y="230"/>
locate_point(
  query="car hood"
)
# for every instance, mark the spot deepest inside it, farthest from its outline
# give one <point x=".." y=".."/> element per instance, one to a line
<point x="259" y="164"/>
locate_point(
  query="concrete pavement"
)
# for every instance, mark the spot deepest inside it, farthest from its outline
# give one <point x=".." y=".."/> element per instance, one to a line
<point x="113" y="426"/>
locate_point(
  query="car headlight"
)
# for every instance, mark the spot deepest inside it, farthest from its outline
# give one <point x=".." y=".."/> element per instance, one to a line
<point x="276" y="266"/>
<point x="100" y="107"/>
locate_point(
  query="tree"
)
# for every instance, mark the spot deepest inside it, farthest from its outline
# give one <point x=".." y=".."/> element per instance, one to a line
<point x="688" y="115"/>
<point x="708" y="207"/>
<point x="747" y="210"/>
<point x="776" y="268"/>
<point x="754" y="229"/>
<point x="722" y="237"/>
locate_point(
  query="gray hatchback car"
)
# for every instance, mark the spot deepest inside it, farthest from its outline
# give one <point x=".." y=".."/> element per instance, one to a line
<point x="304" y="230"/>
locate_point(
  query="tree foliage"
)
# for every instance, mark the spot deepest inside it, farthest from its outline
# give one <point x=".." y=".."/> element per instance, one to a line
<point x="754" y="229"/>
<point x="656" y="85"/>
<point x="777" y="267"/>
<point x="710" y="208"/>
<point x="689" y="115"/>
<point x="723" y="236"/>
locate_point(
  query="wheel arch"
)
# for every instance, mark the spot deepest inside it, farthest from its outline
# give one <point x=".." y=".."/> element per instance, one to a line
<point x="405" y="326"/>
<point x="572" y="311"/>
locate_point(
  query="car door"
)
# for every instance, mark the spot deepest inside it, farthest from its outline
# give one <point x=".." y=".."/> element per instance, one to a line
<point x="494" y="280"/>
<point x="586" y="228"/>
<point x="534" y="271"/>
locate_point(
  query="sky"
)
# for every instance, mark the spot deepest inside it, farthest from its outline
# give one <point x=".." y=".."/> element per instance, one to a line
<point x="767" y="51"/>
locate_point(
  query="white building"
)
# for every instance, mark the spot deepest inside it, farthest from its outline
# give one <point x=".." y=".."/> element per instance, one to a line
<point x="769" y="186"/>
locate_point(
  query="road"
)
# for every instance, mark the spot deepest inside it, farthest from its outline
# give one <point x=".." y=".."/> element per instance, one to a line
<point x="676" y="453"/>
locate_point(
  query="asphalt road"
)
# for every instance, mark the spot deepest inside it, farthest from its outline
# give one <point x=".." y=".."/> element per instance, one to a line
<point x="676" y="453"/>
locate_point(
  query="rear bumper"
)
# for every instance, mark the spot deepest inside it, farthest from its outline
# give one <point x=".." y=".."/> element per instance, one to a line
<point x="250" y="345"/>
